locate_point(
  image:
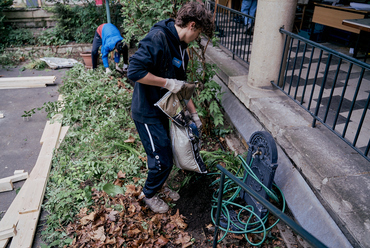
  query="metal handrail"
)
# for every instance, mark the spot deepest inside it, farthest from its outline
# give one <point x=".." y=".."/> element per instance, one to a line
<point x="321" y="88"/>
<point x="231" y="34"/>
<point x="273" y="210"/>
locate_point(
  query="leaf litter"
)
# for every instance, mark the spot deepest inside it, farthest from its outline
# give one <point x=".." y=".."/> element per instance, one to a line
<point x="135" y="224"/>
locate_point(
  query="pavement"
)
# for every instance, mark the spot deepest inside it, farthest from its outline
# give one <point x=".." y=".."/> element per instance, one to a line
<point x="325" y="182"/>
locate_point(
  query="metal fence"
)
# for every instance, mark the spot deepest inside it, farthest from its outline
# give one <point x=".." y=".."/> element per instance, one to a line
<point x="333" y="87"/>
<point x="233" y="34"/>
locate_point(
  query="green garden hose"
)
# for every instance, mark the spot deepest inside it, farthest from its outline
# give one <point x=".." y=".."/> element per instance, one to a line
<point x="254" y="224"/>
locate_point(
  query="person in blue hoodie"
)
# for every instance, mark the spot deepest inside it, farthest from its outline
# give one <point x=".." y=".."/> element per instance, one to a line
<point x="158" y="66"/>
<point x="109" y="38"/>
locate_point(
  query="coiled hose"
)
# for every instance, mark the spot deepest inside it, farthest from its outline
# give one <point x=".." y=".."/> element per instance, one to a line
<point x="254" y="224"/>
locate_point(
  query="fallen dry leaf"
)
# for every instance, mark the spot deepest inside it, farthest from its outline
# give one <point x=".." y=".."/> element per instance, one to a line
<point x="130" y="140"/>
<point x="161" y="241"/>
<point x="178" y="220"/>
<point x="99" y="234"/>
<point x="88" y="218"/>
<point x="121" y="175"/>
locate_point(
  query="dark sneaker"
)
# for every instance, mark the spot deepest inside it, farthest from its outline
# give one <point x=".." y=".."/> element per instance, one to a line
<point x="156" y="204"/>
<point x="171" y="194"/>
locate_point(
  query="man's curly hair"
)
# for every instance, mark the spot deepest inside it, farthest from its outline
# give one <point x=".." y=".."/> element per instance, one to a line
<point x="196" y="12"/>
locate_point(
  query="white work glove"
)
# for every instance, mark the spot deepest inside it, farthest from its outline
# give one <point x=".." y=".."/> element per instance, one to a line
<point x="118" y="69"/>
<point x="174" y="85"/>
<point x="124" y="68"/>
<point x="107" y="70"/>
<point x="197" y="121"/>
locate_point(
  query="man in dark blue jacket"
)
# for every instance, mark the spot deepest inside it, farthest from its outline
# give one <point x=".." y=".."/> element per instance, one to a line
<point x="109" y="38"/>
<point x="159" y="66"/>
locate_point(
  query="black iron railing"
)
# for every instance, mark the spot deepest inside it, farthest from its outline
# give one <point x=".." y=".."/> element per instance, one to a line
<point x="333" y="87"/>
<point x="272" y="209"/>
<point x="233" y="34"/>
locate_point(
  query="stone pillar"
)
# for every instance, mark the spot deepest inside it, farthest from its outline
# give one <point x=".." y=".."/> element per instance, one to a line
<point x="268" y="42"/>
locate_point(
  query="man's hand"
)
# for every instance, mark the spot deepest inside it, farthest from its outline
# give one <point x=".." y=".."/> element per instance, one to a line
<point x="197" y="121"/>
<point x="107" y="71"/>
<point x="174" y="85"/>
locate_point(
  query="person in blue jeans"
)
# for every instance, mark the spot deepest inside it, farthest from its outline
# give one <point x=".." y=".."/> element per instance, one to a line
<point x="109" y="38"/>
<point x="158" y="66"/>
<point x="249" y="7"/>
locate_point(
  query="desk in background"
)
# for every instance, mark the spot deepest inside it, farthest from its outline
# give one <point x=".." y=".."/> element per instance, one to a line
<point x="333" y="16"/>
<point x="363" y="25"/>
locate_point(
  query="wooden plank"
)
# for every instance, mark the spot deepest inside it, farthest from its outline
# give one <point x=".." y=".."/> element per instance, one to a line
<point x="26" y="230"/>
<point x="6" y="184"/>
<point x="41" y="170"/>
<point x="37" y="191"/>
<point x="46" y="132"/>
<point x="63" y="133"/>
<point x="8" y="233"/>
<point x="3" y="243"/>
<point x="334" y="17"/>
<point x="27" y="79"/>
<point x="26" y="82"/>
<point x="18" y="172"/>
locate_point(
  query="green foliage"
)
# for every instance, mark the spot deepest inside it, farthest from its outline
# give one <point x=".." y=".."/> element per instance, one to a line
<point x="94" y="151"/>
<point x="208" y="92"/>
<point x="140" y="16"/>
<point x="3" y="4"/>
<point x="12" y="58"/>
<point x="51" y="37"/>
<point x="77" y="23"/>
<point x="36" y="64"/>
<point x="226" y="159"/>
<point x="21" y="36"/>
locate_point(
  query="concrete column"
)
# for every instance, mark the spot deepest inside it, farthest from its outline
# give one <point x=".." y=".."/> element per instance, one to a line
<point x="268" y="42"/>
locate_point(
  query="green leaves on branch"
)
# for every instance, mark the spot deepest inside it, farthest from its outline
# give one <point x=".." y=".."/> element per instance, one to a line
<point x="140" y="16"/>
<point x="94" y="149"/>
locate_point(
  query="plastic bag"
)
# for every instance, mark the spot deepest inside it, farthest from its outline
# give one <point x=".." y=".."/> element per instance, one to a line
<point x="56" y="63"/>
<point x="185" y="147"/>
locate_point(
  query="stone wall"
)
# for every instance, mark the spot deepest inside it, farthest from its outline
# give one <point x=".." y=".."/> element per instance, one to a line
<point x="33" y="18"/>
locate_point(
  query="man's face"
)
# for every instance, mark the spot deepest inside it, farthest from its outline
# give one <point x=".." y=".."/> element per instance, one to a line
<point x="192" y="33"/>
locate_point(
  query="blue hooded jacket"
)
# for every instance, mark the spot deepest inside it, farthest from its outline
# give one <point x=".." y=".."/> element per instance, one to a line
<point x="110" y="36"/>
<point x="163" y="54"/>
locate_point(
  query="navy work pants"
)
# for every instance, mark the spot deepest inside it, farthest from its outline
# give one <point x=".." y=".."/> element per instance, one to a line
<point x="157" y="144"/>
<point x="97" y="42"/>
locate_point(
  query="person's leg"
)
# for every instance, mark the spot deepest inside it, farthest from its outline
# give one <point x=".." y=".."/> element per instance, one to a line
<point x="252" y="10"/>
<point x="157" y="145"/>
<point x="125" y="54"/>
<point x="246" y="5"/>
<point x="97" y="42"/>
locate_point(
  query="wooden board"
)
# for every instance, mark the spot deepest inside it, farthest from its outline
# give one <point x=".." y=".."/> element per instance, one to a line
<point x="26" y="82"/>
<point x="8" y="233"/>
<point x="6" y="184"/>
<point x="3" y="243"/>
<point x="63" y="133"/>
<point x="333" y="17"/>
<point x="37" y="191"/>
<point x="41" y="170"/>
<point x="26" y="230"/>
